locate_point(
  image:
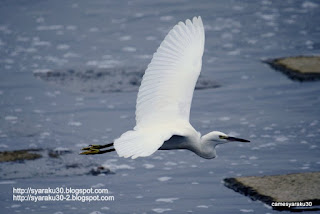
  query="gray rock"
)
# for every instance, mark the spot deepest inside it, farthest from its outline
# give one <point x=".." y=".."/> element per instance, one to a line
<point x="105" y="80"/>
<point x="300" y="187"/>
<point x="300" y="68"/>
<point x="20" y="155"/>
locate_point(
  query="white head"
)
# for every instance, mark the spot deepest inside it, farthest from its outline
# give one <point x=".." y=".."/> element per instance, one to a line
<point x="211" y="140"/>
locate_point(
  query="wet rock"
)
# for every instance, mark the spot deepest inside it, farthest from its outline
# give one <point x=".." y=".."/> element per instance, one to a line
<point x="100" y="170"/>
<point x="46" y="162"/>
<point x="20" y="155"/>
<point x="300" y="187"/>
<point x="73" y="166"/>
<point x="104" y="80"/>
<point x="300" y="68"/>
<point x="204" y="83"/>
<point x="57" y="152"/>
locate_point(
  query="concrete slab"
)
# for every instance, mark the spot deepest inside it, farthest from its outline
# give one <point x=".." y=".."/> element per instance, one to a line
<point x="301" y="68"/>
<point x="300" y="187"/>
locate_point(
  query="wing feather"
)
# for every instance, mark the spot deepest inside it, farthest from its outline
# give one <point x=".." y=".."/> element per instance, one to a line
<point x="165" y="95"/>
<point x="172" y="74"/>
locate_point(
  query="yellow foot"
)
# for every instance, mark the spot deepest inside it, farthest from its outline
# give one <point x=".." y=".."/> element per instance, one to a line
<point x="92" y="147"/>
<point x="95" y="149"/>
<point x="91" y="152"/>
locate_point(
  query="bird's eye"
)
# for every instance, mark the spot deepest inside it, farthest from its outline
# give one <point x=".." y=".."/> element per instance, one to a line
<point x="222" y="137"/>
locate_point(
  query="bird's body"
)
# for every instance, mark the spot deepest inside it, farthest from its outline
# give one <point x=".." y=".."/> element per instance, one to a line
<point x="164" y="100"/>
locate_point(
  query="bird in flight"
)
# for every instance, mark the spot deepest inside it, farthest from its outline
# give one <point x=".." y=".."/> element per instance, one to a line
<point x="164" y="101"/>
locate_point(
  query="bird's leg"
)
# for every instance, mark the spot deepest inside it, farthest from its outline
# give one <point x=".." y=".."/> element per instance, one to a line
<point x="95" y="149"/>
<point x="90" y="147"/>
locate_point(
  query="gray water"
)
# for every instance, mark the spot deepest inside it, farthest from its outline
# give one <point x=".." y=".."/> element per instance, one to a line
<point x="278" y="115"/>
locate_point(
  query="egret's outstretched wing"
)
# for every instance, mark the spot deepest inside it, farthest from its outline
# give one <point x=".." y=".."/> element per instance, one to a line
<point x="167" y="86"/>
<point x="165" y="94"/>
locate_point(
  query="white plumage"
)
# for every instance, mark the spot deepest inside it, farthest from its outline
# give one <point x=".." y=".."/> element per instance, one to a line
<point x="164" y="101"/>
<point x="165" y="95"/>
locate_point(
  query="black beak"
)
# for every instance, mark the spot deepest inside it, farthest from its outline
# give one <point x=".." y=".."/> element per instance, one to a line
<point x="237" y="139"/>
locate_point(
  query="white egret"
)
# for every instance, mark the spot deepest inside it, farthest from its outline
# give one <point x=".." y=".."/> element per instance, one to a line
<point x="164" y="100"/>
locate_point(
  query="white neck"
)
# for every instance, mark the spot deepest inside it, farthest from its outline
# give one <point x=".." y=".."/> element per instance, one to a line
<point x="205" y="148"/>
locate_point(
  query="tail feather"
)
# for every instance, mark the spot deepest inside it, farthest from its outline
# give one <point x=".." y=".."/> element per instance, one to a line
<point x="139" y="143"/>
